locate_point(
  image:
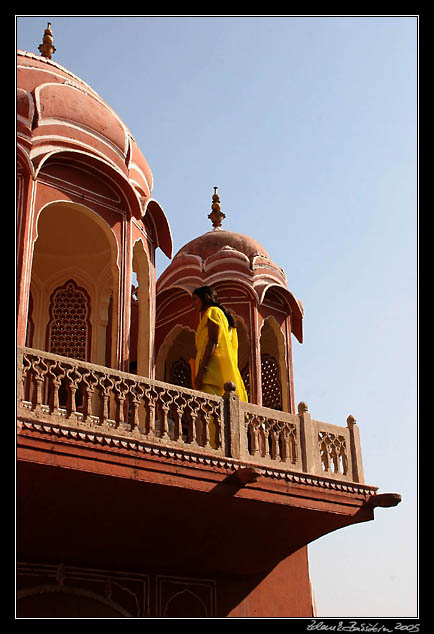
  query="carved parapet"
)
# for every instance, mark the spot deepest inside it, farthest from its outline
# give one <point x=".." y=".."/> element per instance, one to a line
<point x="270" y="437"/>
<point x="330" y="449"/>
<point x="72" y="394"/>
<point x="67" y="391"/>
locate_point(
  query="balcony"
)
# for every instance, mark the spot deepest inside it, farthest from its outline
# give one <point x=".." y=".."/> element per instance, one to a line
<point x="105" y="442"/>
<point x="79" y="399"/>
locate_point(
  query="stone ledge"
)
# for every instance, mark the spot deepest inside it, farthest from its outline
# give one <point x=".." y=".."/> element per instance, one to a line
<point x="168" y="452"/>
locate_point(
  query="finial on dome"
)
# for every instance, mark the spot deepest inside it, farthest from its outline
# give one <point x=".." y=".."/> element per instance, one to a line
<point x="47" y="48"/>
<point x="216" y="216"/>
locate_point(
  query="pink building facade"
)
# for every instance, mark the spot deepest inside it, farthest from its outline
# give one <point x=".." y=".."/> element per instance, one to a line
<point x="124" y="510"/>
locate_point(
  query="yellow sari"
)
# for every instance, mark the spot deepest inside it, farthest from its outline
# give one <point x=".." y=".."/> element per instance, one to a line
<point x="223" y="365"/>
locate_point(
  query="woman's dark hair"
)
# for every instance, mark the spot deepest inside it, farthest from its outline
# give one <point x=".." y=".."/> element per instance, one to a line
<point x="208" y="297"/>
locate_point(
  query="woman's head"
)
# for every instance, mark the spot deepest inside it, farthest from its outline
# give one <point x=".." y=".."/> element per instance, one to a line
<point x="207" y="296"/>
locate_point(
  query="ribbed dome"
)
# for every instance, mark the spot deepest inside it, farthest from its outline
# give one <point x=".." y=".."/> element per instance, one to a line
<point x="226" y="259"/>
<point x="213" y="241"/>
<point x="53" y="101"/>
<point x="60" y="117"/>
<point x="223" y="254"/>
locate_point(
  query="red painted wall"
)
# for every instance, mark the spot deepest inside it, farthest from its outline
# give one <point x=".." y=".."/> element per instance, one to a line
<point x="283" y="592"/>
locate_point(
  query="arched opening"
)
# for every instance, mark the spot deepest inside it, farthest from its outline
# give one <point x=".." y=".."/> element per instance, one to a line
<point x="173" y="360"/>
<point x="74" y="278"/>
<point x="275" y="393"/>
<point x="141" y="333"/>
<point x="243" y="353"/>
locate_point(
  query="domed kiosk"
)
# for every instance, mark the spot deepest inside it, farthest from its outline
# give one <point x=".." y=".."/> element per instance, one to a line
<point x="86" y="221"/>
<point x="248" y="282"/>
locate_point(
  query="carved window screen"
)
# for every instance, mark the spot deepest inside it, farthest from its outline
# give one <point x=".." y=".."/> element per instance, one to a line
<point x="69" y="329"/>
<point x="180" y="374"/>
<point x="271" y="385"/>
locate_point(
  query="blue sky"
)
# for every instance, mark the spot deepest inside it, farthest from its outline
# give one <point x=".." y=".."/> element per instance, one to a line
<point x="308" y="126"/>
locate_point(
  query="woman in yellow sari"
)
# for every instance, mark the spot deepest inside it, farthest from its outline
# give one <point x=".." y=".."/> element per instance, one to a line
<point x="216" y="360"/>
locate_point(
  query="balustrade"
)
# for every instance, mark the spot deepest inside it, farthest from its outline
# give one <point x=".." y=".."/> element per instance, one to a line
<point x="57" y="390"/>
<point x="82" y="394"/>
<point x="271" y="436"/>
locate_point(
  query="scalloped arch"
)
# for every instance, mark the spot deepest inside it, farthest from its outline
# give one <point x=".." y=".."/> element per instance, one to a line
<point x="104" y="169"/>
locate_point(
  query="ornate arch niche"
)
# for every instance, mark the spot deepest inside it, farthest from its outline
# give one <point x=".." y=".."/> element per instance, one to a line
<point x="185" y="604"/>
<point x="51" y="601"/>
<point x="275" y="392"/>
<point x="69" y="329"/>
<point x="173" y="359"/>
<point x="75" y="245"/>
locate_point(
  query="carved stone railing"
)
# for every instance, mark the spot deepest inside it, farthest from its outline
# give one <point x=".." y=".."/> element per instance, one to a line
<point x="76" y="395"/>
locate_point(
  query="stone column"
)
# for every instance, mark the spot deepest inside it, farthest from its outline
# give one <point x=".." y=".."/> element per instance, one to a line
<point x="232" y="423"/>
<point x="355" y="451"/>
<point x="309" y="443"/>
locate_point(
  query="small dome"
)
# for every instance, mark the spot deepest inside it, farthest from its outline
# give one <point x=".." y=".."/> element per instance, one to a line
<point x="221" y="254"/>
<point x="213" y="241"/>
<point x="225" y="258"/>
<point x="221" y="257"/>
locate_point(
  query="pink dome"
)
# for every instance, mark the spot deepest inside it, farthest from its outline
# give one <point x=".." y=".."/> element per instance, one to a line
<point x="213" y="241"/>
<point x="53" y="102"/>
<point x="221" y="257"/>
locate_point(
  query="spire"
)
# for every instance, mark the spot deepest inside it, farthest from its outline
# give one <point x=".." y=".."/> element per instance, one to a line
<point x="216" y="216"/>
<point x="47" y="48"/>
